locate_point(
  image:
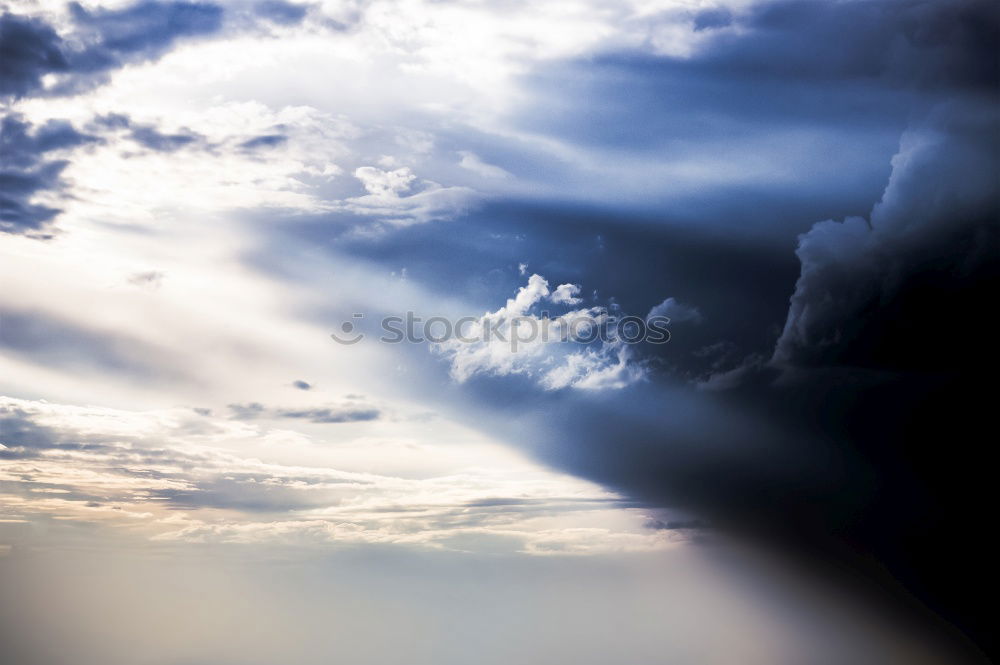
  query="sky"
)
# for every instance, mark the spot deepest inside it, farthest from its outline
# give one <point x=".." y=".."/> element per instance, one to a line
<point x="273" y="382"/>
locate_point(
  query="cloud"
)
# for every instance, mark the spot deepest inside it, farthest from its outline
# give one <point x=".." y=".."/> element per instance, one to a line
<point x="808" y="122"/>
<point x="281" y="12"/>
<point x="389" y="200"/>
<point x="233" y="156"/>
<point x="675" y="311"/>
<point x="780" y="77"/>
<point x="33" y="165"/>
<point x="302" y="385"/>
<point x="708" y="19"/>
<point x="678" y="524"/>
<point x="612" y="367"/>
<point x="385" y="184"/>
<point x="331" y="415"/>
<point x="246" y="411"/>
<point x="163" y="475"/>
<point x="264" y="141"/>
<point x="905" y="42"/>
<point x="566" y="294"/>
<point x="150" y="279"/>
<point x="36" y="156"/>
<point x="889" y="328"/>
<point x="472" y="162"/>
<point x="29" y="49"/>
<point x="50" y="341"/>
<point x="144" y="30"/>
<point x="153" y="139"/>
<point x="100" y="40"/>
<point x="871" y="289"/>
<point x="567" y="351"/>
<point x="345" y="413"/>
<point x="862" y="424"/>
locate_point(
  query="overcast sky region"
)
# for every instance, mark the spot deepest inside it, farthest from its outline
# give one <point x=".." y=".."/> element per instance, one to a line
<point x="647" y="332"/>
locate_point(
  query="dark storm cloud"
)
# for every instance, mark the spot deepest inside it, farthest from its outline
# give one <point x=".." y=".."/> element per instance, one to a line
<point x="861" y="434"/>
<point x="904" y="289"/>
<point x="848" y="423"/>
<point x="101" y="40"/>
<point x="801" y="105"/>
<point x="937" y="45"/>
<point x="26" y="170"/>
<point x="888" y="350"/>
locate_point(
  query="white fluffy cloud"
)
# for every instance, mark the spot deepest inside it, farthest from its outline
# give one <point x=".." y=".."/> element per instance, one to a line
<point x="567" y="294"/>
<point x="385" y="184"/>
<point x="558" y="352"/>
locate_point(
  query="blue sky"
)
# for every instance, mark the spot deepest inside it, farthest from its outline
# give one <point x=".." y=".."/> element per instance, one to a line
<point x="195" y="195"/>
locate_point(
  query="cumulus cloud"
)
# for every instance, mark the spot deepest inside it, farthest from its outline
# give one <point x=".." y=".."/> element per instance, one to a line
<point x="566" y="294"/>
<point x="573" y="350"/>
<point x="385" y="184"/>
<point x="611" y="367"/>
